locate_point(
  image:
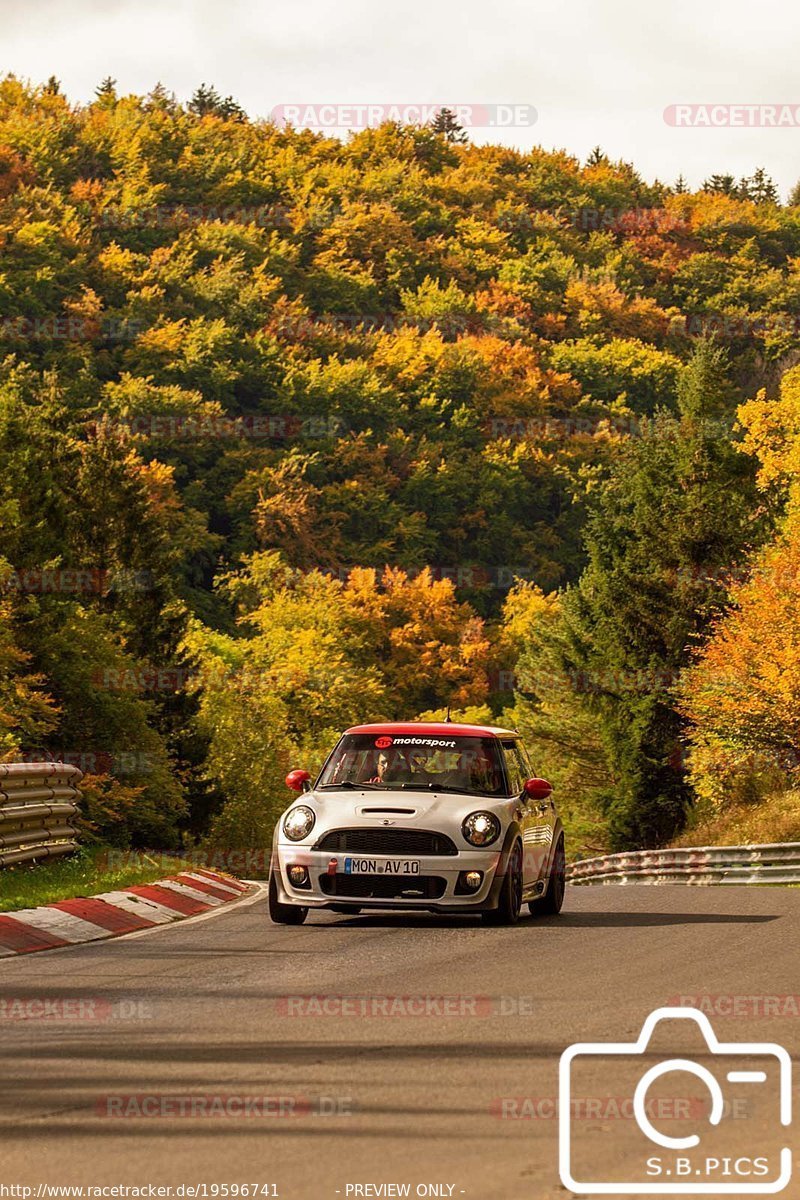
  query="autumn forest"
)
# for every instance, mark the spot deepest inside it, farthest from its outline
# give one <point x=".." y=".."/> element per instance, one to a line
<point x="299" y="432"/>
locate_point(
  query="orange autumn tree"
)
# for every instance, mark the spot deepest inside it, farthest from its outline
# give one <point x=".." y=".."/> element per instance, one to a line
<point x="742" y="693"/>
<point x="430" y="649"/>
<point x="315" y="654"/>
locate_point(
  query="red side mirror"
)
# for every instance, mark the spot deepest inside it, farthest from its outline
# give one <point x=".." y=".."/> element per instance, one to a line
<point x="538" y="789"/>
<point x="297" y="780"/>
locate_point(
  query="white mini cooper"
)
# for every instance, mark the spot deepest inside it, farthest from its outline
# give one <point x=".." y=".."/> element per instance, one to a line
<point x="443" y="817"/>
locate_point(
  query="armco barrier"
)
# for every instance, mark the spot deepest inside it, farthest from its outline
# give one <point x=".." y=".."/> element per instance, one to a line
<point x="778" y="863"/>
<point x="38" y="802"/>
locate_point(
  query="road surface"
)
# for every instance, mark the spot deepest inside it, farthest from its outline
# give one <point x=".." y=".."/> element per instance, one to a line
<point x="464" y="1024"/>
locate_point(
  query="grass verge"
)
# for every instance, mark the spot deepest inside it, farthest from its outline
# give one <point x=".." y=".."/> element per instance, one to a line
<point x="774" y="819"/>
<point x="90" y="870"/>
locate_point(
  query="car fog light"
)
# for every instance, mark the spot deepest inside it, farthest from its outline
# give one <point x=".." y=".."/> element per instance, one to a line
<point x="298" y="876"/>
<point x="473" y="880"/>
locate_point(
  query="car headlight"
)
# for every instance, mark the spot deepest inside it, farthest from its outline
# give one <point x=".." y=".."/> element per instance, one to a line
<point x="299" y="822"/>
<point x="481" y="828"/>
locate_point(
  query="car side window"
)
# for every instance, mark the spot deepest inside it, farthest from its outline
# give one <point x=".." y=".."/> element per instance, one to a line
<point x="515" y="768"/>
<point x="527" y="766"/>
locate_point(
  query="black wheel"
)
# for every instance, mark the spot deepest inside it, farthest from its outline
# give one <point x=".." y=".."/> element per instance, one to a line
<point x="510" y="906"/>
<point x="349" y="910"/>
<point x="550" y="903"/>
<point x="283" y="914"/>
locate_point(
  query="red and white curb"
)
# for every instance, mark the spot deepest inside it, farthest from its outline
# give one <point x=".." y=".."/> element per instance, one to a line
<point x="143" y="906"/>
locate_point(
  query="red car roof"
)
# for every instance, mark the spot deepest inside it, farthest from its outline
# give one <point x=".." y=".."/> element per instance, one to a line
<point x="434" y="729"/>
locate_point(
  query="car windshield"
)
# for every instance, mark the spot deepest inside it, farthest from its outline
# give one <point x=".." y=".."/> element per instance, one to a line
<point x="406" y="761"/>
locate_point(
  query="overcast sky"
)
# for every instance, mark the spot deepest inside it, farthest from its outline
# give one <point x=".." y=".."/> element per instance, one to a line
<point x="596" y="71"/>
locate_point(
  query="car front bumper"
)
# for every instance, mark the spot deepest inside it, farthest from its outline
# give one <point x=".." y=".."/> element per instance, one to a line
<point x="331" y="886"/>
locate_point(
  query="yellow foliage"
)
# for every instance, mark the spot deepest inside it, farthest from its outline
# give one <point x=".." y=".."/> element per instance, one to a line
<point x="742" y="695"/>
<point x="602" y="307"/>
<point x="772" y="434"/>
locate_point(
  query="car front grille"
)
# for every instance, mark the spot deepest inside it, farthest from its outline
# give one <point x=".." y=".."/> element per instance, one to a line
<point x="387" y="841"/>
<point x="384" y="887"/>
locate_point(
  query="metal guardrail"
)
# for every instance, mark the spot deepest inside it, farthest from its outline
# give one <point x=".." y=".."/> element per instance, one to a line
<point x="777" y="863"/>
<point x="38" y="802"/>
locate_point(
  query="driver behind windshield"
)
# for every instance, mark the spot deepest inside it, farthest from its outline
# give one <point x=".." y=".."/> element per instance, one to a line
<point x="382" y="768"/>
<point x="390" y="767"/>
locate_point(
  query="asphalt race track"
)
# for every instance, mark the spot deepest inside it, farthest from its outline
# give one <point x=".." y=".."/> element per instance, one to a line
<point x="208" y="1009"/>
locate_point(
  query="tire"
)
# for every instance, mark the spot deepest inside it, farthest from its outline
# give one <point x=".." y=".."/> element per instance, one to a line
<point x="549" y="905"/>
<point x="510" y="905"/>
<point x="283" y="914"/>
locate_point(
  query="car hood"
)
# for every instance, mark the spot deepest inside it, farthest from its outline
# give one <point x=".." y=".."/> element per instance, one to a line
<point x="401" y="807"/>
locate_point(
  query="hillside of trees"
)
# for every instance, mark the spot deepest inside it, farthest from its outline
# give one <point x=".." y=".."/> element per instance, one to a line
<point x="297" y="432"/>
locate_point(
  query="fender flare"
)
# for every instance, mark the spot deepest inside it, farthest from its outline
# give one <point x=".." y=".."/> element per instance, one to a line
<point x="558" y="832"/>
<point x="513" y="835"/>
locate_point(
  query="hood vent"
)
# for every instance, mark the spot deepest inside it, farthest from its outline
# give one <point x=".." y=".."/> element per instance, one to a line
<point x="403" y="812"/>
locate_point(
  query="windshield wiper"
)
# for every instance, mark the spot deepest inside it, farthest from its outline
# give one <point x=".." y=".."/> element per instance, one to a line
<point x="439" y="787"/>
<point x="348" y="783"/>
<point x="410" y="787"/>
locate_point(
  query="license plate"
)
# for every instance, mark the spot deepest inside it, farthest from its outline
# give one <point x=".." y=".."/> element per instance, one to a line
<point x="381" y="866"/>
